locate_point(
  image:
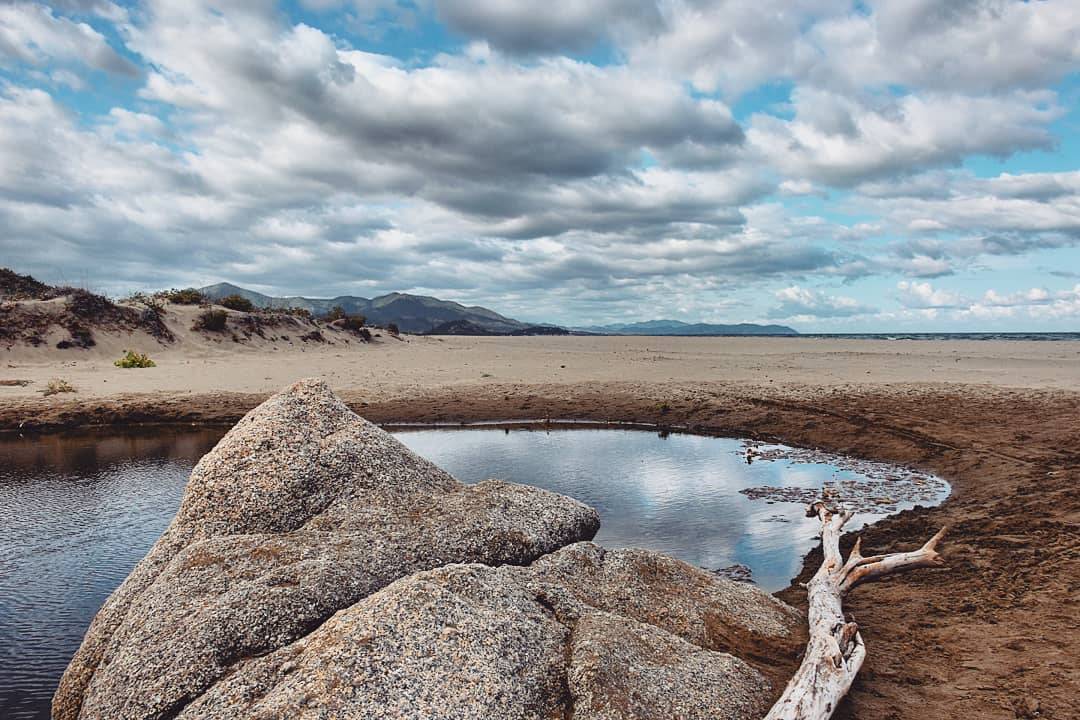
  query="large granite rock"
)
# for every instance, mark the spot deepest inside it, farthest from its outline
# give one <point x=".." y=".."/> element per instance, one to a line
<point x="317" y="568"/>
<point x="472" y="642"/>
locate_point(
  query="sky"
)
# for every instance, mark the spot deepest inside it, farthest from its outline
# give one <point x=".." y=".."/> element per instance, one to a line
<point x="837" y="166"/>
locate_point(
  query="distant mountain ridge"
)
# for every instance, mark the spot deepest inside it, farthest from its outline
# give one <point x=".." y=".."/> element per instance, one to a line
<point x="425" y="314"/>
<point x="411" y="313"/>
<point x="675" y="327"/>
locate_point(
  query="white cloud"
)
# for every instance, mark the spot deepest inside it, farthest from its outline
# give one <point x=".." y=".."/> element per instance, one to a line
<point x="796" y="302"/>
<point x="842" y="140"/>
<point x="137" y="123"/>
<point x="966" y="46"/>
<point x="32" y="33"/>
<point x="923" y="295"/>
<point x="1037" y="304"/>
<point x="545" y="26"/>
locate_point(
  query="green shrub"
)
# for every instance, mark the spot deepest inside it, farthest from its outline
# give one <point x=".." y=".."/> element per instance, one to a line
<point x="135" y="360"/>
<point x="187" y="296"/>
<point x="336" y="313"/>
<point x="211" y="320"/>
<point x="236" y="302"/>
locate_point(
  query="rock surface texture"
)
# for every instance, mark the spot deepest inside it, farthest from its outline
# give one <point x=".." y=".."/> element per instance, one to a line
<point x="319" y="569"/>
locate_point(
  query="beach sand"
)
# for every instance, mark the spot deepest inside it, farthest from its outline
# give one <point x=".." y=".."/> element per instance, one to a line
<point x="992" y="636"/>
<point x="388" y="366"/>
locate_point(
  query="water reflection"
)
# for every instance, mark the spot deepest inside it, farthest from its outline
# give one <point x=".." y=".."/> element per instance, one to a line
<point x="669" y="492"/>
<point x="77" y="513"/>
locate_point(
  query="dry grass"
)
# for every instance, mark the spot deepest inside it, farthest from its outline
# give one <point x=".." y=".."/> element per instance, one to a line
<point x="57" y="386"/>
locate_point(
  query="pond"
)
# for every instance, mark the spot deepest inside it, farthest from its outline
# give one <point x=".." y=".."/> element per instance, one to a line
<point x="77" y="512"/>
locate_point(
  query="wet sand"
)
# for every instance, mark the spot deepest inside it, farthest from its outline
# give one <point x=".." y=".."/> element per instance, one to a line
<point x="994" y="635"/>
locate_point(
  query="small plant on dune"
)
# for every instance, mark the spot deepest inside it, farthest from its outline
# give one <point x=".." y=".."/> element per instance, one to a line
<point x="353" y="322"/>
<point x="211" y="321"/>
<point x="22" y="287"/>
<point x="88" y="306"/>
<point x="135" y="360"/>
<point x="364" y="334"/>
<point x="153" y="303"/>
<point x="152" y="314"/>
<point x="81" y="337"/>
<point x="295" y="312"/>
<point x="186" y="296"/>
<point x="336" y="313"/>
<point x="57" y="386"/>
<point x="392" y="328"/>
<point x="236" y="302"/>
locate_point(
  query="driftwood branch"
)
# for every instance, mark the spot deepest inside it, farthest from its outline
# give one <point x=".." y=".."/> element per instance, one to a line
<point x="835" y="651"/>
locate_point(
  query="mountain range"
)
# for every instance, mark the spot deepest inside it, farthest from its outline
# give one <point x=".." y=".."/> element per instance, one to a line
<point x="425" y="314"/>
<point x="675" y="327"/>
<point x="411" y="313"/>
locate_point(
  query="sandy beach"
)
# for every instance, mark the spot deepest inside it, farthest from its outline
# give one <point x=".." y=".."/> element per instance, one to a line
<point x="391" y="367"/>
<point x="993" y="635"/>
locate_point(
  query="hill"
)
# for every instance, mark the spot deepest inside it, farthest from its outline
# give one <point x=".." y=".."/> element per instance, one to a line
<point x="411" y="313"/>
<point x="37" y="319"/>
<point x="464" y="327"/>
<point x="675" y="327"/>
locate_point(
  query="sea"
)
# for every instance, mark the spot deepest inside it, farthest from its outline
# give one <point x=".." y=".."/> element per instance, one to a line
<point x="1041" y="336"/>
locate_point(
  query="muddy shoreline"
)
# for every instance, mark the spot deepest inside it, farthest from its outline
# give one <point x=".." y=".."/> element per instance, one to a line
<point x="993" y="634"/>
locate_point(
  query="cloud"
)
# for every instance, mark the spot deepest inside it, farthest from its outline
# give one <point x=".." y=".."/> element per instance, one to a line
<point x="721" y="45"/>
<point x="824" y="44"/>
<point x="1037" y="304"/>
<point x="923" y="295"/>
<point x="137" y="123"/>
<point x="32" y="33"/>
<point x="844" y="140"/>
<point x="952" y="220"/>
<point x="964" y="46"/>
<point x="797" y="301"/>
<point x="501" y="122"/>
<point x="526" y="27"/>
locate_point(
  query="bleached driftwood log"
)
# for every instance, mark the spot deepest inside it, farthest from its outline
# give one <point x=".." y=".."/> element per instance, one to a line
<point x="835" y="651"/>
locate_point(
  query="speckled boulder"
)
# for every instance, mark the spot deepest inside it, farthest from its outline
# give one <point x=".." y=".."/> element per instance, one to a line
<point x="302" y="509"/>
<point x="473" y="642"/>
<point x="696" y="605"/>
<point x="319" y="569"/>
<point x="621" y="669"/>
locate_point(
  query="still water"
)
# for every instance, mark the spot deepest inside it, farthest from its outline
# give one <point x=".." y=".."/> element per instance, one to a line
<point x="77" y="513"/>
